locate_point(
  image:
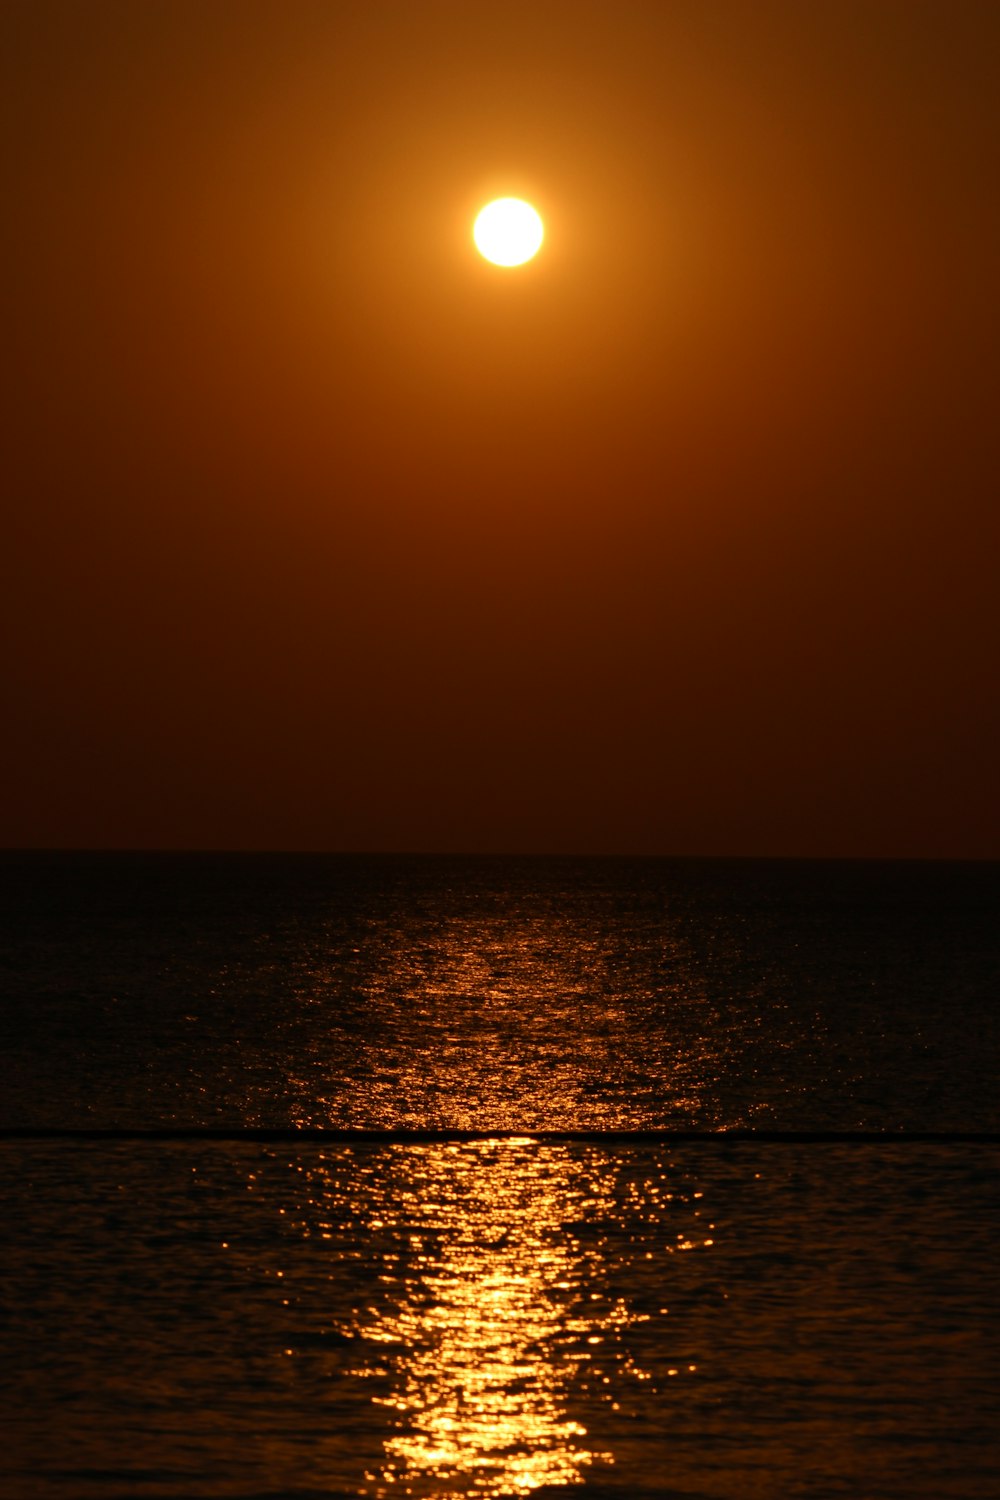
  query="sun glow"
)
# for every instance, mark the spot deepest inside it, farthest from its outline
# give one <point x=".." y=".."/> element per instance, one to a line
<point x="508" y="232"/>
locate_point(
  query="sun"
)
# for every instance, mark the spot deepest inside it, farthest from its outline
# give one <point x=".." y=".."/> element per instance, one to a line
<point x="508" y="232"/>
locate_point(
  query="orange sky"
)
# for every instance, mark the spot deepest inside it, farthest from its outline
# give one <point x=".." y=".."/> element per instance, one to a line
<point x="323" y="533"/>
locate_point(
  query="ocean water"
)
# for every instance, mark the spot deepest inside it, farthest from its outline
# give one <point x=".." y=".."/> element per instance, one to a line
<point x="513" y="1314"/>
<point x="502" y="994"/>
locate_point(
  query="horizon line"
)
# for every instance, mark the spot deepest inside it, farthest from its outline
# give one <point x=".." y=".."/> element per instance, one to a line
<point x="551" y="854"/>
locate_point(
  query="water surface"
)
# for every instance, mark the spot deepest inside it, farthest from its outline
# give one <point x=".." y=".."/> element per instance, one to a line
<point x="500" y="1318"/>
<point x="508" y="994"/>
<point x="505" y="1316"/>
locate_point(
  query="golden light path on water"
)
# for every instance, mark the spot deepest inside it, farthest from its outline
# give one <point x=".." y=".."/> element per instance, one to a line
<point x="497" y="1317"/>
<point x="479" y="1396"/>
<point x="492" y="1016"/>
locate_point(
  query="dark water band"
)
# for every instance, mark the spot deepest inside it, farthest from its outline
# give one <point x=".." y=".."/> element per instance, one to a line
<point x="419" y="1137"/>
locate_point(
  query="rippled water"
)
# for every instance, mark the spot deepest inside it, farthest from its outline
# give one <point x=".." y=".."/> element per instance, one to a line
<point x="509" y="994"/>
<point x="500" y="1318"/>
<point x="508" y="1316"/>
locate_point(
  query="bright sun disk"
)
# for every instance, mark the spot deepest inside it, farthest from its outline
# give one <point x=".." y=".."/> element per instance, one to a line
<point x="508" y="232"/>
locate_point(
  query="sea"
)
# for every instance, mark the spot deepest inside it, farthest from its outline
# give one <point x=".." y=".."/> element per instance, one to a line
<point x="385" y="1176"/>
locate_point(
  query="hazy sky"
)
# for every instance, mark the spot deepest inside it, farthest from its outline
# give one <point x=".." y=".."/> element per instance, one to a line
<point x="321" y="532"/>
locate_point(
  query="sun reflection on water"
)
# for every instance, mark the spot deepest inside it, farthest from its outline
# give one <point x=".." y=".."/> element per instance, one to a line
<point x="520" y="1017"/>
<point x="495" y="1318"/>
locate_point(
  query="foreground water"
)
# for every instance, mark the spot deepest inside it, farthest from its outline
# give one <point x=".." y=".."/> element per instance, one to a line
<point x="510" y="1316"/>
<point x="500" y="1318"/>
